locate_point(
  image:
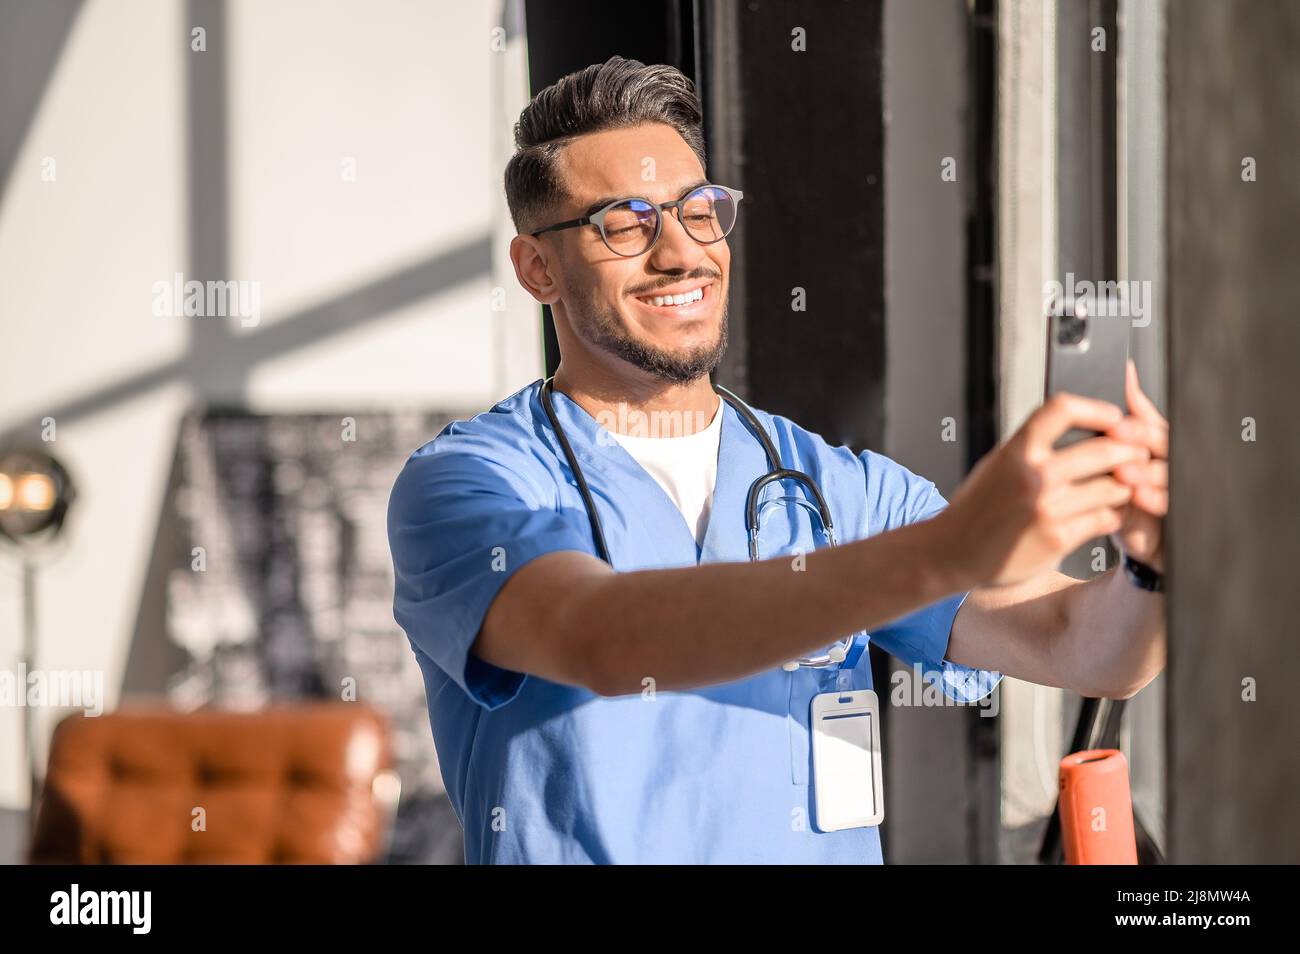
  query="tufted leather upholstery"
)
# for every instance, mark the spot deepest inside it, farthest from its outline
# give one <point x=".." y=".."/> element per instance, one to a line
<point x="284" y="785"/>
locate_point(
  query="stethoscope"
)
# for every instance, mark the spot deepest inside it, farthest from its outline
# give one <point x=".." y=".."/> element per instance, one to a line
<point x="834" y="655"/>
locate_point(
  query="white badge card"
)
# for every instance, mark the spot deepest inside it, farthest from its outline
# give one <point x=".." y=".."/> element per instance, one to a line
<point x="848" y="789"/>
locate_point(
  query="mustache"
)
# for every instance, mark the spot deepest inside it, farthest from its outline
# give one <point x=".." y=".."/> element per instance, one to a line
<point x="676" y="280"/>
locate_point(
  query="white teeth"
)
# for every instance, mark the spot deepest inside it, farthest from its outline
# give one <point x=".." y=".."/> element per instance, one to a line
<point x="659" y="301"/>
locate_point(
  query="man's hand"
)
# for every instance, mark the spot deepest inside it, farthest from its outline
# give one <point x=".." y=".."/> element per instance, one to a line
<point x="1141" y="534"/>
<point x="1026" y="505"/>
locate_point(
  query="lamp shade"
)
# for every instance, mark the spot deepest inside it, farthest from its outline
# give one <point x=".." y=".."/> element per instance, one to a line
<point x="35" y="494"/>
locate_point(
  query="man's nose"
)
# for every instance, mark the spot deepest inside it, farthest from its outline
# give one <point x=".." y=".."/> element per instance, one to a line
<point x="676" y="248"/>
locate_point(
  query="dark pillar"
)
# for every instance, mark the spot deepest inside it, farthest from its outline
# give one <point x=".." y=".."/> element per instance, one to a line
<point x="1233" y="281"/>
<point x="568" y="35"/>
<point x="801" y="133"/>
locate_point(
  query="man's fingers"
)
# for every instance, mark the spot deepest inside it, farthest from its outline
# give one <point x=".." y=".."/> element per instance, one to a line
<point x="1073" y="499"/>
<point x="1151" y="434"/>
<point x="1147" y="427"/>
<point x="1152" y="473"/>
<point x="1077" y="530"/>
<point x="1096" y="455"/>
<point x="1153" y="500"/>
<point x="1138" y="402"/>
<point x="1063" y="411"/>
<point x="1140" y="530"/>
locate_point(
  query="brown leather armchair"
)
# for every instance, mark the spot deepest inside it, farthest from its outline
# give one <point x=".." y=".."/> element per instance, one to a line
<point x="289" y="784"/>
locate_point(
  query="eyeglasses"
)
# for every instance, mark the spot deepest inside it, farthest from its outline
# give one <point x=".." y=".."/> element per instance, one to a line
<point x="630" y="227"/>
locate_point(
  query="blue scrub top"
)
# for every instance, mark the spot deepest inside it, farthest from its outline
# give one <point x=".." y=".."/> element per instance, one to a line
<point x="540" y="772"/>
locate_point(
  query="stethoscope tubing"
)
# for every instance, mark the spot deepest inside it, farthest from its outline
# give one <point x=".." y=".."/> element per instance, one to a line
<point x="777" y="472"/>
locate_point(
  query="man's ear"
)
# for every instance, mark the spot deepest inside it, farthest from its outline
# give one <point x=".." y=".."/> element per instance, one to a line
<point x="533" y="268"/>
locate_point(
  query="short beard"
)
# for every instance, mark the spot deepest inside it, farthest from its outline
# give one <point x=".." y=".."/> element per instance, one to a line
<point x="606" y="330"/>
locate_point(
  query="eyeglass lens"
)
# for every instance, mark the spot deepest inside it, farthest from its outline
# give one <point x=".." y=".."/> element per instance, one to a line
<point x="707" y="214"/>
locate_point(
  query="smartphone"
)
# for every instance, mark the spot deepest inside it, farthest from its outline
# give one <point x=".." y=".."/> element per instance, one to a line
<point x="1087" y="353"/>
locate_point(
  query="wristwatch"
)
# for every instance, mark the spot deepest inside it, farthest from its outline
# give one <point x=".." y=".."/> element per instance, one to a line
<point x="1143" y="576"/>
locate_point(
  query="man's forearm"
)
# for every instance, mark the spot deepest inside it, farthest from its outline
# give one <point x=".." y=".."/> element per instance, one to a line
<point x="718" y="622"/>
<point x="1113" y="640"/>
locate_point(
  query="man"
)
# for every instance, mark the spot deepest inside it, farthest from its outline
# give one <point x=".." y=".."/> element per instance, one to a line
<point x="617" y="689"/>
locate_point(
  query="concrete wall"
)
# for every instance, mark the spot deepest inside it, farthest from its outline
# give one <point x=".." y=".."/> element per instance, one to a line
<point x="1233" y="205"/>
<point x="928" y="751"/>
<point x="1033" y="738"/>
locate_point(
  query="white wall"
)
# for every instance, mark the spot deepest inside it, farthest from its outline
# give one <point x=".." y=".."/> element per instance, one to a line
<point x="411" y="91"/>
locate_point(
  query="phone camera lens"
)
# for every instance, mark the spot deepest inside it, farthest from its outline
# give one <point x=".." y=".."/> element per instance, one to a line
<point x="1072" y="325"/>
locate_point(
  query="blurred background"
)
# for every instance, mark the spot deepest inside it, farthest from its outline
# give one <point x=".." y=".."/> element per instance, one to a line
<point x="209" y="475"/>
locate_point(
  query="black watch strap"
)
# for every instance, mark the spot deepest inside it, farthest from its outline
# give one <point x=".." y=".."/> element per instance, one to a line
<point x="1143" y="576"/>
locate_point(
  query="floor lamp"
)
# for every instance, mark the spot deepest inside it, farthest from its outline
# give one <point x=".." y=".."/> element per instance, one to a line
<point x="35" y="494"/>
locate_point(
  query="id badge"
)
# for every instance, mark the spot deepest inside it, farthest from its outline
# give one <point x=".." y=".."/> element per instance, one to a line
<point x="848" y="789"/>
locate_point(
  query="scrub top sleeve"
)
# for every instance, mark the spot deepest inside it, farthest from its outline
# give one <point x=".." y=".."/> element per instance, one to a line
<point x="895" y="498"/>
<point x="459" y="526"/>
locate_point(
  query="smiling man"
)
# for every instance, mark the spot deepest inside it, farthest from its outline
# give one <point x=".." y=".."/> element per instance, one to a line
<point x="626" y="637"/>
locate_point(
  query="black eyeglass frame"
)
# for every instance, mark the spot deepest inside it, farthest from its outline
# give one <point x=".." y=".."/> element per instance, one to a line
<point x="597" y="218"/>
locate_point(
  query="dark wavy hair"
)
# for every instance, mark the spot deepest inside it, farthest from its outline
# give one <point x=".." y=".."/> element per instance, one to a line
<point x="611" y="95"/>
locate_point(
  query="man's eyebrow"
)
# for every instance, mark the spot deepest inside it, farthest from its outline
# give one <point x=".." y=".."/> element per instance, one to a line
<point x="600" y="204"/>
<point x="606" y="200"/>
